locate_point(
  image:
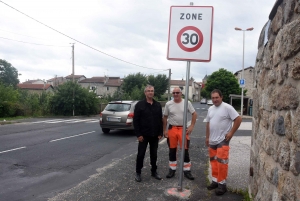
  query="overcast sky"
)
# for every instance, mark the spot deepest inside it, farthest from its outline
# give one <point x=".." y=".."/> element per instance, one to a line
<point x="135" y="31"/>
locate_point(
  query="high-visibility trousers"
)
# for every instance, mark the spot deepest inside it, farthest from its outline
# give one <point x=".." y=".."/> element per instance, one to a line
<point x="175" y="137"/>
<point x="219" y="158"/>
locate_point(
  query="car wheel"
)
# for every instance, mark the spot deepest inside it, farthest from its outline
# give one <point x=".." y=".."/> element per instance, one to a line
<point x="105" y="130"/>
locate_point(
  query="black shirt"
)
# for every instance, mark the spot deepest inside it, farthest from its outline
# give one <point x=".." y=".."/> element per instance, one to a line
<point x="147" y="119"/>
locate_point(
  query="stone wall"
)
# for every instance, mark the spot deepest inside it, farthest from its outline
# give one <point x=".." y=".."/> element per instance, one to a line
<point x="275" y="146"/>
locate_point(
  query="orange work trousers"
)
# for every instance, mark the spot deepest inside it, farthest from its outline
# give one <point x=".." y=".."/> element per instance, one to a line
<point x="219" y="155"/>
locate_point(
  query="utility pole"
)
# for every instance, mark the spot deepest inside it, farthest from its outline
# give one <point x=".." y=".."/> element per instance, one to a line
<point x="73" y="76"/>
<point x="73" y="62"/>
<point x="169" y="92"/>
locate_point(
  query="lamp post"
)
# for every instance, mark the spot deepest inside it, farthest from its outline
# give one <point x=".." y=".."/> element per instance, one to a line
<point x="242" y="94"/>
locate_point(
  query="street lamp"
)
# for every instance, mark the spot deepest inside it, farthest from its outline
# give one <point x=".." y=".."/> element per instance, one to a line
<point x="242" y="95"/>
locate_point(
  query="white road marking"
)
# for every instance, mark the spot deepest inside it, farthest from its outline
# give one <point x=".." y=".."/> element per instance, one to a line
<point x="246" y="126"/>
<point x="12" y="150"/>
<point x="55" y="121"/>
<point x="77" y="120"/>
<point x="71" y="136"/>
<point x="96" y="120"/>
<point x="46" y="121"/>
<point x="66" y="121"/>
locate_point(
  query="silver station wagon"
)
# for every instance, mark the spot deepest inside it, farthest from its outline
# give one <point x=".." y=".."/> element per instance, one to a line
<point x="117" y="115"/>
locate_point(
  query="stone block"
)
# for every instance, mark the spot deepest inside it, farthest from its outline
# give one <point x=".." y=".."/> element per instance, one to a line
<point x="286" y="98"/>
<point x="288" y="125"/>
<point x="296" y="127"/>
<point x="284" y="154"/>
<point x="291" y="36"/>
<point x="277" y="21"/>
<point x="279" y="126"/>
<point x="295" y="159"/>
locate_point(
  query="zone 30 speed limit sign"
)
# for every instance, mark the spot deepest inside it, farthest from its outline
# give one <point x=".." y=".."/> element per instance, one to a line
<point x="190" y="33"/>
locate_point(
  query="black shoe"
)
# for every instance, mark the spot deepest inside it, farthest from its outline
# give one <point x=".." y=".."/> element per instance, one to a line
<point x="156" y="176"/>
<point x="221" y="189"/>
<point x="213" y="185"/>
<point x="171" y="173"/>
<point x="138" y="177"/>
<point x="188" y="175"/>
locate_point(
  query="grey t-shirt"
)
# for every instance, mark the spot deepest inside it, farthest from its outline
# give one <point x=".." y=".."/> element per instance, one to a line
<point x="175" y="111"/>
<point x="220" y="121"/>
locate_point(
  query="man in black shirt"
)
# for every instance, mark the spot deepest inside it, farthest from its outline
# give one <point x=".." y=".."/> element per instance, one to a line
<point x="147" y="122"/>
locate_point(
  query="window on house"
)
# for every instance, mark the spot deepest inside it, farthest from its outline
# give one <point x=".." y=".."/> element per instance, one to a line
<point x="107" y="88"/>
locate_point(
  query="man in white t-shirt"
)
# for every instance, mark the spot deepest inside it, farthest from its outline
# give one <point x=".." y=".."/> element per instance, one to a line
<point x="173" y="114"/>
<point x="219" y="131"/>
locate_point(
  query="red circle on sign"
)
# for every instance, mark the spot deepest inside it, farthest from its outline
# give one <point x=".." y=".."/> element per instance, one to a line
<point x="187" y="49"/>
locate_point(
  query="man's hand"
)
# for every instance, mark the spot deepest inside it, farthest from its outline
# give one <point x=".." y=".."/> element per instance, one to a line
<point x="189" y="130"/>
<point x="166" y="134"/>
<point x="207" y="142"/>
<point x="140" y="139"/>
<point x="228" y="136"/>
<point x="159" y="137"/>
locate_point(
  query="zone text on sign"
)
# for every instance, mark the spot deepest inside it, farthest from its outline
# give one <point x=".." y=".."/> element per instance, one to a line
<point x="191" y="16"/>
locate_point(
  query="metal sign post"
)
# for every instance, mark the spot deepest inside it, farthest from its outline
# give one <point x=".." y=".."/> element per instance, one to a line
<point x="186" y="95"/>
<point x="190" y="39"/>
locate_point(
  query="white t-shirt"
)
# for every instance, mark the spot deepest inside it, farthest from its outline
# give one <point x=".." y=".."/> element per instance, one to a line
<point x="220" y="121"/>
<point x="175" y="111"/>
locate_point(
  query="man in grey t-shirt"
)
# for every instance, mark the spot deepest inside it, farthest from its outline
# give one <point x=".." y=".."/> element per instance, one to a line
<point x="219" y="131"/>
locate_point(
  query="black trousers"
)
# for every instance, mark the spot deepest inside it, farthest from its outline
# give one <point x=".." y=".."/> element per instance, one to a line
<point x="153" y="142"/>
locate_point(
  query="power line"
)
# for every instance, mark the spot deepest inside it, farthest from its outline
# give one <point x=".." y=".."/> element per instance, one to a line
<point x="32" y="43"/>
<point x="77" y="40"/>
<point x="23" y="35"/>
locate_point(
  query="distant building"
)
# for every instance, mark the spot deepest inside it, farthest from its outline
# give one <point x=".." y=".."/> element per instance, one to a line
<point x="181" y="84"/>
<point x="77" y="78"/>
<point x="249" y="77"/>
<point x="36" y="88"/>
<point x="39" y="81"/>
<point x="56" y="81"/>
<point x="102" y="85"/>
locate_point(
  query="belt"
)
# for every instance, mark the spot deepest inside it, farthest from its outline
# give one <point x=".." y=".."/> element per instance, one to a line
<point x="170" y="126"/>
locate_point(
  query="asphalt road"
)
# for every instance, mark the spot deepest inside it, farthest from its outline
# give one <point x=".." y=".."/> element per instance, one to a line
<point x="41" y="157"/>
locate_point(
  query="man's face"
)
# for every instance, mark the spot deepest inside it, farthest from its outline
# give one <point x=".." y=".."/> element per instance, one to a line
<point x="149" y="93"/>
<point x="176" y="94"/>
<point x="216" y="99"/>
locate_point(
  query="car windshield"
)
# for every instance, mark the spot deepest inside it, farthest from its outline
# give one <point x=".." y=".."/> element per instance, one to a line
<point x="117" y="107"/>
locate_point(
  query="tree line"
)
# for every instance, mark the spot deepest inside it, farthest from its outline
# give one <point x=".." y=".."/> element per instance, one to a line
<point x="71" y="97"/>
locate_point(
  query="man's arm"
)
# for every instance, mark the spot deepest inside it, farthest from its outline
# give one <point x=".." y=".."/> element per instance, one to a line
<point x="136" y="125"/>
<point x="207" y="134"/>
<point x="191" y="127"/>
<point x="165" y="120"/>
<point x="236" y="124"/>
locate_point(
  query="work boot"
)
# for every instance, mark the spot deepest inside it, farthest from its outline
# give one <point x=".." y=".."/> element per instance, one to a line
<point x="138" y="177"/>
<point x="221" y="189"/>
<point x="188" y="175"/>
<point x="156" y="175"/>
<point x="213" y="185"/>
<point x="171" y="173"/>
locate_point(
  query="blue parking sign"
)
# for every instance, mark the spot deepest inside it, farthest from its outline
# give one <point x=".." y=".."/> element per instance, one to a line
<point x="242" y="82"/>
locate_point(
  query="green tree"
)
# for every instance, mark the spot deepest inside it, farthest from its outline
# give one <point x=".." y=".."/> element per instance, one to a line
<point x="205" y="93"/>
<point x="224" y="81"/>
<point x="8" y="101"/>
<point x="133" y="80"/>
<point x="8" y="74"/>
<point x="160" y="83"/>
<point x="85" y="102"/>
